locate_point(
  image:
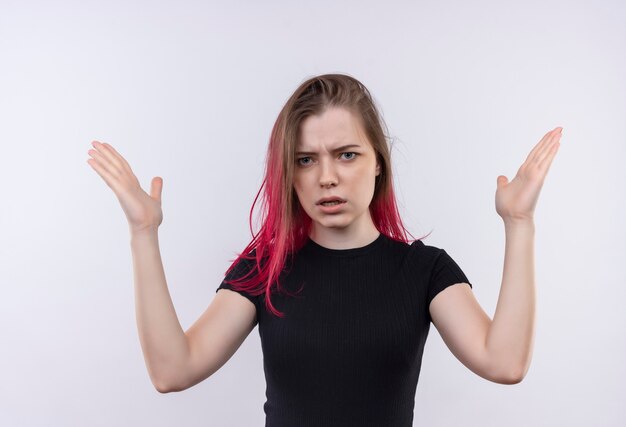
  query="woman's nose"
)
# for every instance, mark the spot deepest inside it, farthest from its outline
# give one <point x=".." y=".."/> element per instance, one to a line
<point x="328" y="176"/>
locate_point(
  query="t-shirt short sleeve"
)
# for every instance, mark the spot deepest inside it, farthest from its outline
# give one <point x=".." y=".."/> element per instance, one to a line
<point x="240" y="270"/>
<point x="445" y="273"/>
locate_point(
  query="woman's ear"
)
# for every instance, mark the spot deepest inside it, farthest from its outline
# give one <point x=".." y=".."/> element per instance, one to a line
<point x="377" y="168"/>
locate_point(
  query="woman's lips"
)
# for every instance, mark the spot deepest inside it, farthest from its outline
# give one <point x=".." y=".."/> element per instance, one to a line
<point x="331" y="208"/>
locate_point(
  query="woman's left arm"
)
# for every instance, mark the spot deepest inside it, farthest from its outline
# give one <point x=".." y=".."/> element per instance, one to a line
<point x="501" y="349"/>
<point x="509" y="340"/>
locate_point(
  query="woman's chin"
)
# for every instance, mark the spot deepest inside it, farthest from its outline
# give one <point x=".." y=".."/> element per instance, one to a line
<point x="337" y="222"/>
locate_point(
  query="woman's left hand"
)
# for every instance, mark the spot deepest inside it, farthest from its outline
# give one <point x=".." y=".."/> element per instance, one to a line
<point x="516" y="200"/>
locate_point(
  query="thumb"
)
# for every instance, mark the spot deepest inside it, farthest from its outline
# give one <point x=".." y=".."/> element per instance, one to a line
<point x="502" y="180"/>
<point x="156" y="186"/>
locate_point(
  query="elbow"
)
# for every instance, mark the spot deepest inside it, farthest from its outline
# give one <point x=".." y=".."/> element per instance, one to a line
<point x="508" y="370"/>
<point x="168" y="381"/>
<point x="514" y="376"/>
<point x="507" y="374"/>
<point x="515" y="379"/>
<point x="168" y="389"/>
<point x="161" y="387"/>
<point x="164" y="387"/>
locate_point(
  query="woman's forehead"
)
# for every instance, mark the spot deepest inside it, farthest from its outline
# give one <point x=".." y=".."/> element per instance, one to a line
<point x="332" y="129"/>
<point x="333" y="148"/>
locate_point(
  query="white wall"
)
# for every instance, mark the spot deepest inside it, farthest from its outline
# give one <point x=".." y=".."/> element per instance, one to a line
<point x="189" y="91"/>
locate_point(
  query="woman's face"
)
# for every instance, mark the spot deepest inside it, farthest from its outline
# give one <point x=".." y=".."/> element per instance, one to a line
<point x="334" y="159"/>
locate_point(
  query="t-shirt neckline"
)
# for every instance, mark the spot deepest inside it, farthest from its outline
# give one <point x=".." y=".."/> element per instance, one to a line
<point x="322" y="250"/>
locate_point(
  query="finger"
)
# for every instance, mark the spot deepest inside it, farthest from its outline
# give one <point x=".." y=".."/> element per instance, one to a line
<point x="547" y="149"/>
<point x="537" y="147"/>
<point x="106" y="151"/>
<point x="541" y="146"/>
<point x="118" y="155"/>
<point x="547" y="161"/>
<point x="110" y="180"/>
<point x="103" y="162"/>
<point x="156" y="188"/>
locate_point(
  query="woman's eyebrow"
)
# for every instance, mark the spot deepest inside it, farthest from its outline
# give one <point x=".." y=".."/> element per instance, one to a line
<point x="343" y="147"/>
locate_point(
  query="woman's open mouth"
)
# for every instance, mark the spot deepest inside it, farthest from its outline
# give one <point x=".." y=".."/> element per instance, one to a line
<point x="330" y="207"/>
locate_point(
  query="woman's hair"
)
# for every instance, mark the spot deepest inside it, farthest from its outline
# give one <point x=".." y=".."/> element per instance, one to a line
<point x="285" y="225"/>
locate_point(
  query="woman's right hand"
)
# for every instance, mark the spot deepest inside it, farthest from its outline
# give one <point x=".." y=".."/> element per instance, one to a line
<point x="143" y="211"/>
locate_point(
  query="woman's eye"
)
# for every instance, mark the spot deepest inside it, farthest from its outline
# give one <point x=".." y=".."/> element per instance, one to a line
<point x="304" y="161"/>
<point x="303" y="158"/>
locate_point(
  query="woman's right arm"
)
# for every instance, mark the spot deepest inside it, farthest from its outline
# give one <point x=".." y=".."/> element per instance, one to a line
<point x="175" y="359"/>
<point x="178" y="360"/>
<point x="163" y="341"/>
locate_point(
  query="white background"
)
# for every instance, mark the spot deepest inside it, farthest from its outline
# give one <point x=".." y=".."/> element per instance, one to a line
<point x="189" y="91"/>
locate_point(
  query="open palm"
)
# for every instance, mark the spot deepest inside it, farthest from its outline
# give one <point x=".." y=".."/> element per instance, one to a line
<point x="516" y="200"/>
<point x="142" y="210"/>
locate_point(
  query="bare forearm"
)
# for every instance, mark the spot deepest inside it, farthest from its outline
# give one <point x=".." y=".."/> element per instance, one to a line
<point x="163" y="341"/>
<point x="510" y="337"/>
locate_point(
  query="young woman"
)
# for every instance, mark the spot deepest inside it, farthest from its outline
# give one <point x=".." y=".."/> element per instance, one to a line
<point x="343" y="299"/>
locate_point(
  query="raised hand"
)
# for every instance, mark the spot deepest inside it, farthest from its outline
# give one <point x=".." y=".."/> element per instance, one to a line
<point x="516" y="200"/>
<point x="142" y="210"/>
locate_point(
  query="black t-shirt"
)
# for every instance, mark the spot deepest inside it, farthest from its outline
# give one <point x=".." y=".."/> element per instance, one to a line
<point x="348" y="351"/>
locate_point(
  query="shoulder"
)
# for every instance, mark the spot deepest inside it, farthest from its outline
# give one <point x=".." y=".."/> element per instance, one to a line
<point x="243" y="265"/>
<point x="437" y="263"/>
<point x="239" y="268"/>
<point x="432" y="255"/>
<point x="423" y="253"/>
